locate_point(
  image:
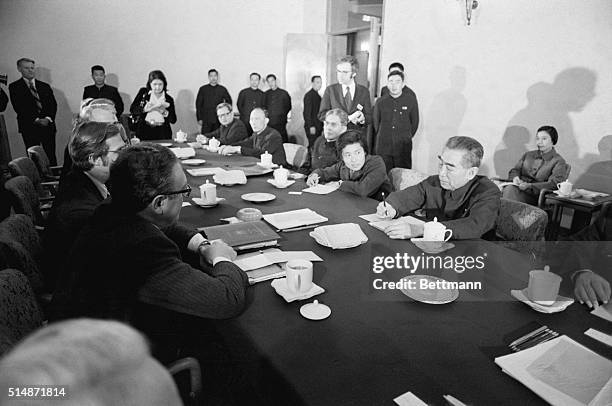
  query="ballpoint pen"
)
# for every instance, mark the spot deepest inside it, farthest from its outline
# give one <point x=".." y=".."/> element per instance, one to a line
<point x="527" y="336"/>
<point x="385" y="203"/>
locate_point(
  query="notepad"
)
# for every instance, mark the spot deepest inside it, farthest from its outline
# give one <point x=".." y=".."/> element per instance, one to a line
<point x="295" y="218"/>
<point x="382" y="224"/>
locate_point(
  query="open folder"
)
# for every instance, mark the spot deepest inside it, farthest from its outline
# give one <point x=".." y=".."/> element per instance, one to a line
<point x="294" y="219"/>
<point x="242" y="236"/>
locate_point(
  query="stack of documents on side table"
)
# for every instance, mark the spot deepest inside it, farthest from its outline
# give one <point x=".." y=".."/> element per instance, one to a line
<point x="264" y="265"/>
<point x="294" y="219"/>
<point x="234" y="177"/>
<point x="339" y="236"/>
<point x="183" y="153"/>
<point x="562" y="372"/>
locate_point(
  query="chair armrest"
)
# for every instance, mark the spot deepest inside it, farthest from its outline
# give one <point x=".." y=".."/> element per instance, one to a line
<point x="53" y="183"/>
<point x="542" y="197"/>
<point x="192" y="366"/>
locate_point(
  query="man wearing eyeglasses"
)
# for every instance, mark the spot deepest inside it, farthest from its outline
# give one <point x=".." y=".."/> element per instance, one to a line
<point x="93" y="148"/>
<point x="458" y="197"/>
<point x="231" y="131"/>
<point x="133" y="262"/>
<point x="348" y="95"/>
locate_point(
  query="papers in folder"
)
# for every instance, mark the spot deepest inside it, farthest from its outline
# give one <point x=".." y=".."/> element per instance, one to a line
<point x="294" y="219"/>
<point x="562" y="372"/>
<point x="264" y="265"/>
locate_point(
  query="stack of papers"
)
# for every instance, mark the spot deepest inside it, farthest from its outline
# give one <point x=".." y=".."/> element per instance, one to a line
<point x="562" y="372"/>
<point x="293" y="219"/>
<point x="183" y="153"/>
<point x="264" y="265"/>
<point x="323" y="189"/>
<point x="382" y="224"/>
<point x="339" y="236"/>
<point x="203" y="171"/>
<point x="235" y="177"/>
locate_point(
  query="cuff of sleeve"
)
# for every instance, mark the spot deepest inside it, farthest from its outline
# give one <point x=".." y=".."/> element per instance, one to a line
<point x="195" y="242"/>
<point x="576" y="273"/>
<point x="220" y="259"/>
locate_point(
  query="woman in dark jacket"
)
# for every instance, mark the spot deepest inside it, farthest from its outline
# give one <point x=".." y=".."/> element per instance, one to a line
<point x="154" y="109"/>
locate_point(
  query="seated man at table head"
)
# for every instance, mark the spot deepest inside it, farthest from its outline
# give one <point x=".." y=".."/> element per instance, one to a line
<point x="230" y="132"/>
<point x="145" y="250"/>
<point x="462" y="200"/>
<point x="324" y="151"/>
<point x="539" y="169"/>
<point x="93" y="148"/>
<point x="357" y="172"/>
<point x="264" y="139"/>
<point x="95" y="362"/>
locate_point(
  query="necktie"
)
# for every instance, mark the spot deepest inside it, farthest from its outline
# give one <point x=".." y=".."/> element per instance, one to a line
<point x="36" y="97"/>
<point x="348" y="100"/>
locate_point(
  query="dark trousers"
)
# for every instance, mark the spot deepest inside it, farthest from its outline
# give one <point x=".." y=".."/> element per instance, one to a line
<point x="280" y="126"/>
<point x="45" y="136"/>
<point x="397" y="161"/>
<point x="209" y="127"/>
<point x="312" y="138"/>
<point x="247" y="125"/>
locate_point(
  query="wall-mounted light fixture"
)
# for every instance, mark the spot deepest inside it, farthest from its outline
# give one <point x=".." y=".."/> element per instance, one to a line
<point x="469" y="6"/>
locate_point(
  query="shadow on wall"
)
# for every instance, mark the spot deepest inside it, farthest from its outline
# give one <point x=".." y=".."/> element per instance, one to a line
<point x="550" y="104"/>
<point x="113" y="80"/>
<point x="185" y="113"/>
<point x="598" y="175"/>
<point x="445" y="115"/>
<point x="514" y="146"/>
<point x="64" y="117"/>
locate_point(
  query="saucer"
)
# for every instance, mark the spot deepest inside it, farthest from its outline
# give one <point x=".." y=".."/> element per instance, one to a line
<point x="165" y="144"/>
<point x="281" y="185"/>
<point x="571" y="195"/>
<point x="315" y="311"/>
<point x="429" y="296"/>
<point x="201" y="202"/>
<point x="432" y="247"/>
<point x="267" y="166"/>
<point x="560" y="304"/>
<point x="258" y="197"/>
<point x="280" y="286"/>
<point x="194" y="161"/>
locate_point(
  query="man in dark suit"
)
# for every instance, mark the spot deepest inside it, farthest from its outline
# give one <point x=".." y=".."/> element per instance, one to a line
<point x="250" y="98"/>
<point x="278" y="103"/>
<point x="93" y="148"/>
<point x="100" y="90"/>
<point x="348" y="96"/>
<point x="264" y="139"/>
<point x="36" y="107"/>
<point x="395" y="66"/>
<point x="3" y="101"/>
<point x="312" y="102"/>
<point x="209" y="97"/>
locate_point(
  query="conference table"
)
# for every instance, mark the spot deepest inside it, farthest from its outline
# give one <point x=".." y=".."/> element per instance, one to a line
<point x="378" y="344"/>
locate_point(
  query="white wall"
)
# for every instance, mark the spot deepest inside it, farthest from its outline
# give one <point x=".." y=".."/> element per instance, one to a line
<point x="520" y="65"/>
<point x="184" y="38"/>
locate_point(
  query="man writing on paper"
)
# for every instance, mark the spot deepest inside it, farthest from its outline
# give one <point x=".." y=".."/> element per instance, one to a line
<point x="463" y="201"/>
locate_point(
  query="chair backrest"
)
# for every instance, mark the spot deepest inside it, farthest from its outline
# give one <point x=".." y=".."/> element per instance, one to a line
<point x="24" y="198"/>
<point x="16" y="256"/>
<point x="518" y="221"/>
<point x="38" y="155"/>
<point x="296" y="154"/>
<point x="402" y="178"/>
<point x="20" y="313"/>
<point x="24" y="166"/>
<point x="20" y="228"/>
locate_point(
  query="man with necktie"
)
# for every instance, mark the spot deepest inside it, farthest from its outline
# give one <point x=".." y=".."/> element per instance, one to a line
<point x="36" y="107"/>
<point x="348" y="96"/>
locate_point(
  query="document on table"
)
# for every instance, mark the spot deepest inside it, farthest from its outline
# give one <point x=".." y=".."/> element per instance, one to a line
<point x="270" y="257"/>
<point x="370" y="218"/>
<point x="294" y="218"/>
<point x="599" y="336"/>
<point x="409" y="399"/>
<point x="183" y="152"/>
<point x="323" y="189"/>
<point x="562" y="372"/>
<point x="382" y="224"/>
<point x="204" y="171"/>
<point x="604" y="311"/>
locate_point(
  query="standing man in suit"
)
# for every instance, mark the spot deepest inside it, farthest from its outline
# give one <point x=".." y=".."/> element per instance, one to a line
<point x="278" y="103"/>
<point x="209" y="97"/>
<point x="248" y="99"/>
<point x="348" y="96"/>
<point x="100" y="90"/>
<point x="36" y="107"/>
<point x="312" y="102"/>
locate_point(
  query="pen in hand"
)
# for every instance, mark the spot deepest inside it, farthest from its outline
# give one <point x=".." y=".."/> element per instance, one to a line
<point x="385" y="203"/>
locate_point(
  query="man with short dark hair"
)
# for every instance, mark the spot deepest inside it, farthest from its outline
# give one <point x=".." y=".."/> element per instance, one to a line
<point x="93" y="148"/>
<point x="264" y="139"/>
<point x="231" y="131"/>
<point x="250" y="98"/>
<point x="348" y="96"/>
<point x="208" y="98"/>
<point x="133" y="252"/>
<point x="100" y="90"/>
<point x="35" y="105"/>
<point x="394" y="67"/>
<point x="312" y="102"/>
<point x="462" y="200"/>
<point x="395" y="120"/>
<point x="278" y="104"/>
<point x="324" y="152"/>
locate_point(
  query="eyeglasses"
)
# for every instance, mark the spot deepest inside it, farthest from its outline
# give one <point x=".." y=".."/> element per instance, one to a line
<point x="185" y="192"/>
<point x="229" y="113"/>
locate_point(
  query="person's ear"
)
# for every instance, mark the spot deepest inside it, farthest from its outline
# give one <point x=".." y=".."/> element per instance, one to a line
<point x="95" y="162"/>
<point x="159" y="203"/>
<point x="267" y="120"/>
<point x="472" y="172"/>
